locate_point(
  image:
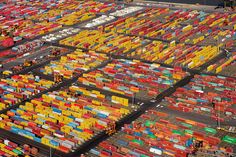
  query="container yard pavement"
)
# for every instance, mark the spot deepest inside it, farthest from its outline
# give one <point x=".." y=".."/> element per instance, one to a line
<point x="39" y="53"/>
<point x="60" y="98"/>
<point x="202" y="2"/>
<point x="205" y="5"/>
<point x="145" y="131"/>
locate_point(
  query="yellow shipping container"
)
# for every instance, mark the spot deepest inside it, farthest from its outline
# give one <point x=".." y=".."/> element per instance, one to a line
<point x="219" y="69"/>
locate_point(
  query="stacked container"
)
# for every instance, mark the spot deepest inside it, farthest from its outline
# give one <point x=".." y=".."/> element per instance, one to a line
<point x="209" y="95"/>
<point x="19" y="87"/>
<point x="74" y="63"/>
<point x="9" y="148"/>
<point x="156" y="133"/>
<point x="176" y="54"/>
<point x="60" y="34"/>
<point x="133" y="78"/>
<point x="28" y="46"/>
<point x="225" y="66"/>
<point x="104" y="42"/>
<point x="66" y="119"/>
<point x="38" y="29"/>
<point x="190" y="27"/>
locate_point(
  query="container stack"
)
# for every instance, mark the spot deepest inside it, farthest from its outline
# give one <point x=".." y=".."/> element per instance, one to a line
<point x="133" y="78"/>
<point x="28" y="46"/>
<point x="183" y="55"/>
<point x="156" y="133"/>
<point x="110" y="43"/>
<point x="207" y="95"/>
<point x="139" y="80"/>
<point x="9" y="148"/>
<point x="74" y="63"/>
<point x="226" y="66"/>
<point x="53" y="37"/>
<point x="20" y="20"/>
<point x="67" y="118"/>
<point x="20" y="87"/>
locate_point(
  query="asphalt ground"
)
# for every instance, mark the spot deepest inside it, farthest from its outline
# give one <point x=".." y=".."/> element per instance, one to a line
<point x="43" y="52"/>
<point x="191" y="116"/>
<point x="202" y="2"/>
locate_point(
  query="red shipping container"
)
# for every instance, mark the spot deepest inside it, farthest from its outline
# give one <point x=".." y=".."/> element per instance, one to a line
<point x="115" y="154"/>
<point x="105" y="154"/>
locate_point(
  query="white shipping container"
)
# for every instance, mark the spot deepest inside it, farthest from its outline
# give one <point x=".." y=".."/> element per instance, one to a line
<point x="6" y="142"/>
<point x="45" y="126"/>
<point x="155" y="151"/>
<point x="105" y="113"/>
<point x="79" y="120"/>
<point x="71" y="99"/>
<point x="102" y="122"/>
<point x="71" y="143"/>
<point x="58" y="135"/>
<point x="65" y="144"/>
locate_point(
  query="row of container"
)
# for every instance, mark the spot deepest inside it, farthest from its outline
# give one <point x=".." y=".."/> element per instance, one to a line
<point x="152" y="19"/>
<point x="18" y="11"/>
<point x="74" y="14"/>
<point x="159" y="134"/>
<point x="28" y="46"/>
<point x="126" y="11"/>
<point x="67" y="118"/>
<point x="226" y="20"/>
<point x="98" y="21"/>
<point x="75" y="17"/>
<point x="37" y="29"/>
<point x="11" y="149"/>
<point x="206" y="30"/>
<point x="98" y="40"/>
<point x="225" y="66"/>
<point x="133" y="78"/>
<point x="19" y="87"/>
<point x="6" y="41"/>
<point x="152" y="22"/>
<point x="166" y="25"/>
<point x="15" y="24"/>
<point x="60" y="34"/>
<point x="175" y="54"/>
<point x="7" y="56"/>
<point x="25" y="29"/>
<point x="48" y="4"/>
<point x="232" y="22"/>
<point x="64" y="17"/>
<point x="217" y="36"/>
<point x="74" y="63"/>
<point x="40" y="13"/>
<point x="209" y="95"/>
<point x="25" y="20"/>
<point x="25" y="55"/>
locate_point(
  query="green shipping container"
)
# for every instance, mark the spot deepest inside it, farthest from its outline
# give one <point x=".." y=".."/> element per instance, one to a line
<point x="152" y="136"/>
<point x="188" y="131"/>
<point x="229" y="139"/>
<point x="187" y="125"/>
<point x="179" y="147"/>
<point x="148" y="123"/>
<point x="177" y="132"/>
<point x="210" y="130"/>
<point x="17" y="151"/>
<point x="138" y="142"/>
